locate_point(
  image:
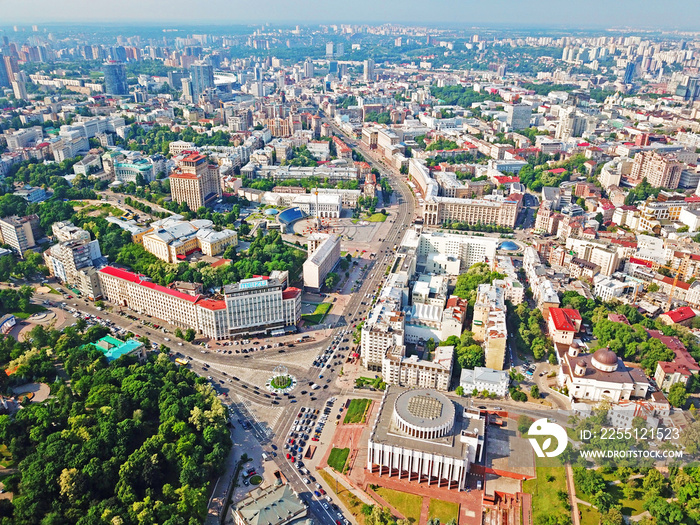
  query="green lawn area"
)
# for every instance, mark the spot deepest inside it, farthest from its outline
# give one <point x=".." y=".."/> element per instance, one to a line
<point x="347" y="498"/>
<point x="53" y="290"/>
<point x="589" y="515"/>
<point x="630" y="507"/>
<point x="544" y="493"/>
<point x="356" y="411"/>
<point x="337" y="458"/>
<point x="443" y="510"/>
<point x="319" y="314"/>
<point x="407" y="504"/>
<point x="6" y="460"/>
<point x="33" y="309"/>
<point x="376" y="217"/>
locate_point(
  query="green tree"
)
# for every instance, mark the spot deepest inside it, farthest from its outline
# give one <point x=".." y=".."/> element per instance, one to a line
<point x="535" y="391"/>
<point x="677" y="395"/>
<point x="190" y="335"/>
<point x="524" y="423"/>
<point x="459" y="391"/>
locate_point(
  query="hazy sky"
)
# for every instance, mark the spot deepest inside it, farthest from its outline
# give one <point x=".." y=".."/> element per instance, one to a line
<point x="669" y="14"/>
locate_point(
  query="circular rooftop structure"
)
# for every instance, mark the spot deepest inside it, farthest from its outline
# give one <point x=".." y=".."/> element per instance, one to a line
<point x="271" y="211"/>
<point x="509" y="246"/>
<point x="605" y="360"/>
<point x="424" y="414"/>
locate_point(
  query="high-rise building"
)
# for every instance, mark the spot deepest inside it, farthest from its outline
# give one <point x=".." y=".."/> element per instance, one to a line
<point x="661" y="171"/>
<point x="19" y="232"/>
<point x="115" y="78"/>
<point x="329" y="50"/>
<point x="518" y="116"/>
<point x="4" y="76"/>
<point x="629" y="73"/>
<point x="308" y="69"/>
<point x="195" y="181"/>
<point x="202" y="75"/>
<point x="369" y="70"/>
<point x="19" y="88"/>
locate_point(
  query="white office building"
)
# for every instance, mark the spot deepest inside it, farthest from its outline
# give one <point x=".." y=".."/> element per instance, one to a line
<point x="485" y="379"/>
<point x="321" y="260"/>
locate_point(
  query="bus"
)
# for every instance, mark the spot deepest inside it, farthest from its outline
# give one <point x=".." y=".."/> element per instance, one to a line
<point x="182" y="362"/>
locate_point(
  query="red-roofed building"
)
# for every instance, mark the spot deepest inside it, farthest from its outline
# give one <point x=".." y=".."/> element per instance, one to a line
<point x="557" y="171"/>
<point x="563" y="324"/>
<point x="505" y="179"/>
<point x="683" y="315"/>
<point x="257" y="305"/>
<point x="618" y="318"/>
<point x="680" y="369"/>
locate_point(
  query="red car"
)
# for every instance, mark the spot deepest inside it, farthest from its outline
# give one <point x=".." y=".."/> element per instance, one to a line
<point x="323" y="492"/>
<point x="314" y="439"/>
<point x="288" y="456"/>
<point x="291" y="441"/>
<point x="292" y="460"/>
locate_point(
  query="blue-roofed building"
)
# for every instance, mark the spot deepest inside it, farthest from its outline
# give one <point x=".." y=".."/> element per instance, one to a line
<point x="114" y="348"/>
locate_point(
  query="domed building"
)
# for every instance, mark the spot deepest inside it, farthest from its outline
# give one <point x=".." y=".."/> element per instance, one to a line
<point x="598" y="376"/>
<point x="422" y="435"/>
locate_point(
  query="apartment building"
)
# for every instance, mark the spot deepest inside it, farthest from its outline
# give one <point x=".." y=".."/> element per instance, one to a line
<point x="321" y="260"/>
<point x="195" y="181"/>
<point x="489" y="323"/>
<point x="496" y="211"/>
<point x="383" y="329"/>
<point x="67" y="231"/>
<point x="19" y="232"/>
<point x="661" y="171"/>
<point x="448" y="253"/>
<point x="514" y="289"/>
<point x="398" y="369"/>
<point x="602" y="255"/>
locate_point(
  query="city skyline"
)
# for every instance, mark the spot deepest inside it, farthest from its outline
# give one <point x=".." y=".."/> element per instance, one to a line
<point x="593" y="14"/>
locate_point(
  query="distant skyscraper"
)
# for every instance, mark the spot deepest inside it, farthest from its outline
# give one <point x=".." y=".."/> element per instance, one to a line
<point x="629" y="73"/>
<point x="115" y="78"/>
<point x="4" y="76"/>
<point x="20" y="90"/>
<point x="329" y="50"/>
<point x="333" y="68"/>
<point x="308" y="69"/>
<point x="339" y="50"/>
<point x="369" y="70"/>
<point x="202" y="75"/>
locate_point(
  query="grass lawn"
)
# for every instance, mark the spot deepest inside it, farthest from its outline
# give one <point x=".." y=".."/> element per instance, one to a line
<point x="407" y="504"/>
<point x="356" y="411"/>
<point x="53" y="290"/>
<point x="376" y="217"/>
<point x="351" y="502"/>
<point x="443" y="510"/>
<point x="31" y="310"/>
<point x="544" y="493"/>
<point x="630" y="507"/>
<point x="589" y="515"/>
<point x="337" y="458"/>
<point x="255" y="480"/>
<point x="6" y="460"/>
<point x="319" y="314"/>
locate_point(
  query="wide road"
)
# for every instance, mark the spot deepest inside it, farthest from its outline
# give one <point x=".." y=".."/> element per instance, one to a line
<point x="240" y="393"/>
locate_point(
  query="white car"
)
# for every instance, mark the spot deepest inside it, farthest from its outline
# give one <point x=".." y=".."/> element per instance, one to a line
<point x="306" y="480"/>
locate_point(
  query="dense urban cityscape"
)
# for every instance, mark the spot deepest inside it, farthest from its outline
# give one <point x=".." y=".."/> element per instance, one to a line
<point x="349" y="273"/>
